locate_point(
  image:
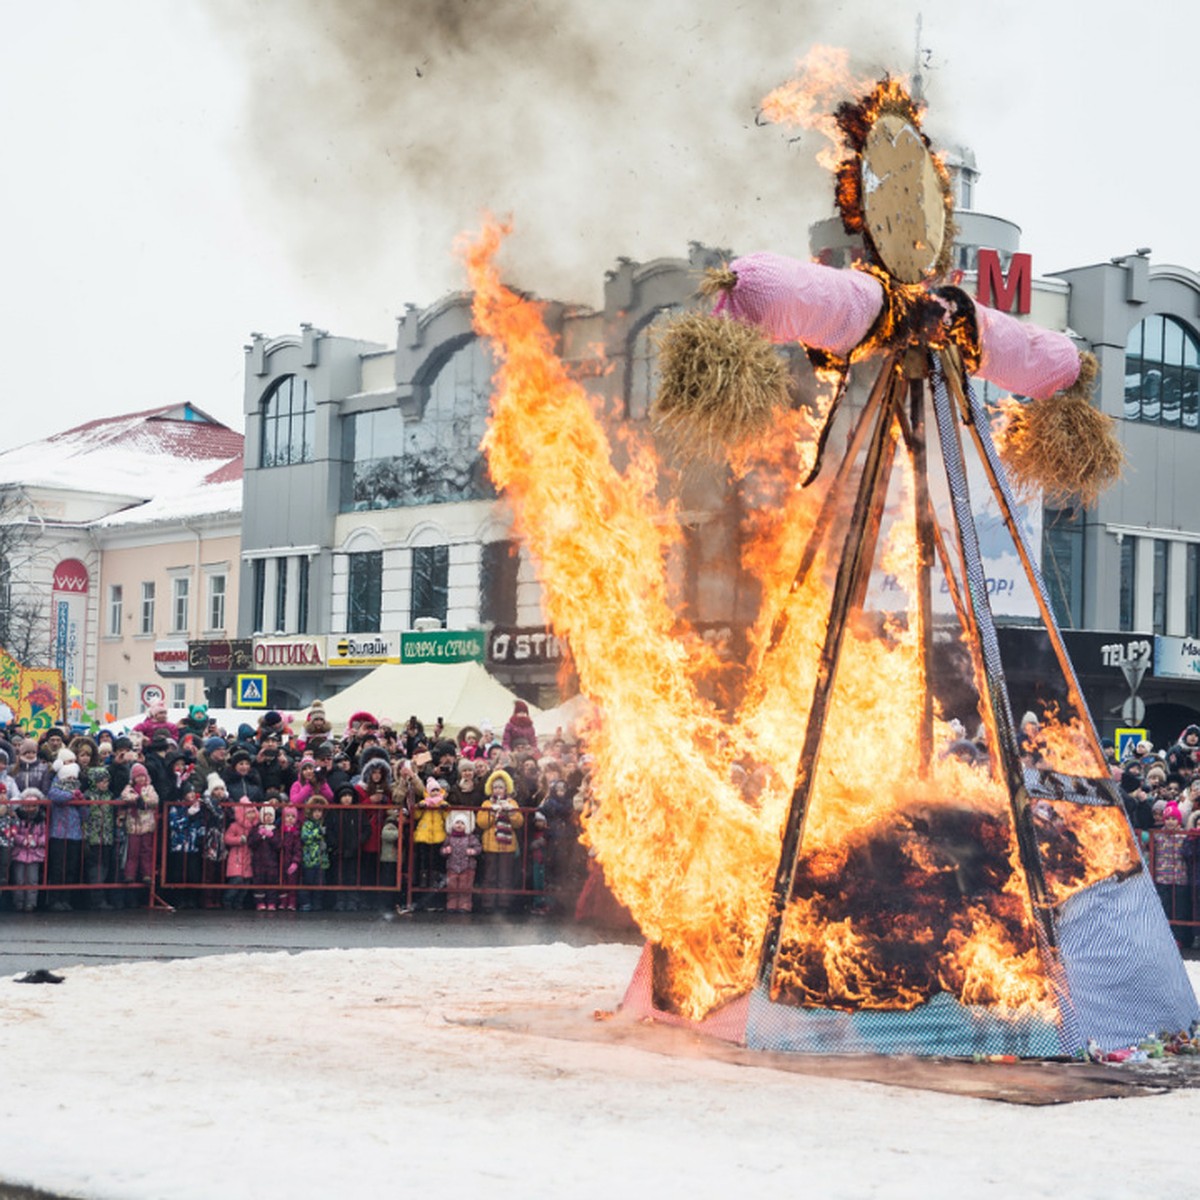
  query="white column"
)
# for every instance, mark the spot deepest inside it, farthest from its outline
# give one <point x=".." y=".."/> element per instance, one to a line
<point x="1143" y="585"/>
<point x="292" y="616"/>
<point x="1177" y="588"/>
<point x="270" y="588"/>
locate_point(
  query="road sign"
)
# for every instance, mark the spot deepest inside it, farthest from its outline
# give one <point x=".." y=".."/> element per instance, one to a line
<point x="152" y="693"/>
<point x="251" y="691"/>
<point x="1123" y="739"/>
<point x="1133" y="710"/>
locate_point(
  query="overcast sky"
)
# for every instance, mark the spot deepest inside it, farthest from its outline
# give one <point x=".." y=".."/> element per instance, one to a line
<point x="180" y="174"/>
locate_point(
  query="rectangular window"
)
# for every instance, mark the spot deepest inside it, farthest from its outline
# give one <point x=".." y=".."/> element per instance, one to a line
<point x="114" y="609"/>
<point x="147" y="607"/>
<point x="180" y="594"/>
<point x="281" y="574"/>
<point x="112" y="701"/>
<point x="430" y="576"/>
<point x="1128" y="545"/>
<point x="365" y="599"/>
<point x="498" y="583"/>
<point x="1159" y="610"/>
<point x="216" y="602"/>
<point x="1062" y="564"/>
<point x="259" y="585"/>
<point x="178" y="695"/>
<point x="302" y="598"/>
<point x="1193" y="590"/>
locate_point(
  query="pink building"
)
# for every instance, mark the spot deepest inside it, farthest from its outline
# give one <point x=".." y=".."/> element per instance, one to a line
<point x="121" y="540"/>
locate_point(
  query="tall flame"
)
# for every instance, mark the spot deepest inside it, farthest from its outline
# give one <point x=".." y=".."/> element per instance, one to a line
<point x="692" y="855"/>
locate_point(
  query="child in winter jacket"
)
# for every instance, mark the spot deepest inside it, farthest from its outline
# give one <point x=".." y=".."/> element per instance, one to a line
<point x="99" y="837"/>
<point x="290" y="851"/>
<point x="239" y="869"/>
<point x="429" y="836"/>
<point x="499" y="820"/>
<point x="461" y="853"/>
<point x="389" y="848"/>
<point x="314" y="854"/>
<point x="141" y="820"/>
<point x="264" y="856"/>
<point x="1171" y="854"/>
<point x="8" y="825"/>
<point x="29" y="848"/>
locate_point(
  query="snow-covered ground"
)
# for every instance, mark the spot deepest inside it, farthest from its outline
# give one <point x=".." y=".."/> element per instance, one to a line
<point x="276" y="1075"/>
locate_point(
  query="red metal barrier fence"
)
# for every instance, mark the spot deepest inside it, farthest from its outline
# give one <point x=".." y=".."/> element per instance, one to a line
<point x="205" y="856"/>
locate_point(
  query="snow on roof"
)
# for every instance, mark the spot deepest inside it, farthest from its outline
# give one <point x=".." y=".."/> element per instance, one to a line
<point x="159" y="452"/>
<point x="206" y="500"/>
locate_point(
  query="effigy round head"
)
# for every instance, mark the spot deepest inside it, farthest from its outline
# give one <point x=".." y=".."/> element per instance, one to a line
<point x="892" y="189"/>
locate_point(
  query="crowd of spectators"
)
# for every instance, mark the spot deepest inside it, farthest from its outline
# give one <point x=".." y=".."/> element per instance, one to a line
<point x="295" y="817"/>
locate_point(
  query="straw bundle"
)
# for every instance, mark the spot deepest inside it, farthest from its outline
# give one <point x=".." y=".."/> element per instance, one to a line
<point x="1063" y="445"/>
<point x="721" y="384"/>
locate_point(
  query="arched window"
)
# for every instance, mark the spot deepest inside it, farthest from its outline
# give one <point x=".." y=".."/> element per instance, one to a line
<point x="288" y="420"/>
<point x="442" y="459"/>
<point x="643" y="364"/>
<point x="1162" y="373"/>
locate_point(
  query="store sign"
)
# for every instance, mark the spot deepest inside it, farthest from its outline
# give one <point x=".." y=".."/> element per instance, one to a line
<point x="362" y="649"/>
<point x="171" y="657"/>
<point x="443" y="646"/>
<point x="69" y="625"/>
<point x="1114" y="654"/>
<point x="1177" y="657"/>
<point x="525" y="646"/>
<point x="220" y="657"/>
<point x="289" y="654"/>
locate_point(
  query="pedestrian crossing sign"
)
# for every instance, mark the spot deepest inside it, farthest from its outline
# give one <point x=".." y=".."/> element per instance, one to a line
<point x="252" y="691"/>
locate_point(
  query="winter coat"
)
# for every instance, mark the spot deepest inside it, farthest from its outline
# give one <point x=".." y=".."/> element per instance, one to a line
<point x="264" y="852"/>
<point x="66" y="817"/>
<point x="314" y="845"/>
<point x="300" y="793"/>
<point x="429" y="819"/>
<point x="141" y="812"/>
<point x="29" y="838"/>
<point x="1172" y="854"/>
<point x="345" y="830"/>
<point x="239" y="864"/>
<point x="243" y="787"/>
<point x="499" y="827"/>
<point x="37" y="776"/>
<point x="389" y="840"/>
<point x="461" y="851"/>
<point x="519" y="728"/>
<point x="8" y="828"/>
<point x="99" y="819"/>
<point x="290" y="851"/>
<point x="185" y="828"/>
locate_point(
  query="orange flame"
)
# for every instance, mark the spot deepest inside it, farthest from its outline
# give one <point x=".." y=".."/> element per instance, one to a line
<point x="690" y="853"/>
<point x="823" y="77"/>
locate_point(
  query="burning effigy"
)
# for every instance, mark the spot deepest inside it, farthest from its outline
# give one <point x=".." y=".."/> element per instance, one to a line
<point x="872" y="892"/>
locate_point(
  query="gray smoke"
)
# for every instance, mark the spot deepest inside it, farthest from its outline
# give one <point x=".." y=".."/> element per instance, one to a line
<point x="378" y="130"/>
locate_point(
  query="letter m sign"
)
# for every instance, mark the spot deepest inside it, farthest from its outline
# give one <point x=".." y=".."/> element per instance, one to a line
<point x="997" y="292"/>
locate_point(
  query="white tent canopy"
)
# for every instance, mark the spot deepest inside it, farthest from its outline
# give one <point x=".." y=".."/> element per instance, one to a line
<point x="565" y="717"/>
<point x="460" y="693"/>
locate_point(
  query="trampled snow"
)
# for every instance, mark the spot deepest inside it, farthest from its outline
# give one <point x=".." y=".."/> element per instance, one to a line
<point x="278" y="1075"/>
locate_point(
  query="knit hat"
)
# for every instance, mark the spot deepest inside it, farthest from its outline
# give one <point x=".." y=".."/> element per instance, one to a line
<point x="138" y="771"/>
<point x="239" y="756"/>
<point x="268" y="814"/>
<point x="96" y="774"/>
<point x="215" y="783"/>
<point x="67" y="772"/>
<point x="434" y="785"/>
<point x="214" y="743"/>
<point x="27" y="744"/>
<point x="1171" y="813"/>
<point x="291" y="808"/>
<point x="122" y="743"/>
